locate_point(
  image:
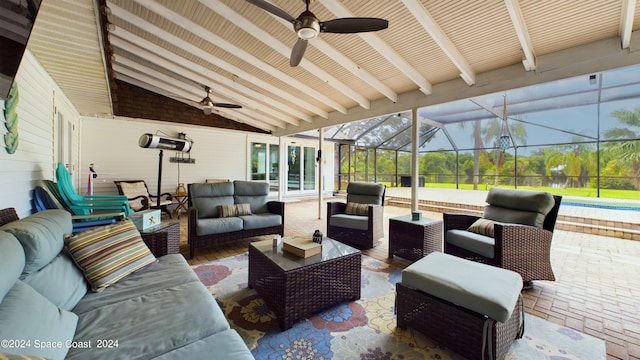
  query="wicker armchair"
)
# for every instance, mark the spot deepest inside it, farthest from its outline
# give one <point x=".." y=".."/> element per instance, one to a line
<point x="521" y="230"/>
<point x="140" y="198"/>
<point x="360" y="221"/>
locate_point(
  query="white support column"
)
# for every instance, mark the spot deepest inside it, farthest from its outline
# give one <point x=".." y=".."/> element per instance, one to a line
<point x="282" y="168"/>
<point x="414" y="158"/>
<point x="320" y="174"/>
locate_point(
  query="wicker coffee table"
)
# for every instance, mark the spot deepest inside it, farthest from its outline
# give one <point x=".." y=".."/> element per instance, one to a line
<point x="414" y="240"/>
<point x="295" y="287"/>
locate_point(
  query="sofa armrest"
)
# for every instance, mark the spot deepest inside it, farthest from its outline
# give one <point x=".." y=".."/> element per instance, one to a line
<point x="458" y="221"/>
<point x="334" y="207"/>
<point x="276" y="207"/>
<point x="192" y="221"/>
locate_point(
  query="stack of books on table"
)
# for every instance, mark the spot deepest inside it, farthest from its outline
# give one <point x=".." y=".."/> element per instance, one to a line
<point x="301" y="246"/>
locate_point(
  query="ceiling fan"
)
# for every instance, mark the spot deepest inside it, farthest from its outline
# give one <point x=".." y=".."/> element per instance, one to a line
<point x="307" y="26"/>
<point x="208" y="104"/>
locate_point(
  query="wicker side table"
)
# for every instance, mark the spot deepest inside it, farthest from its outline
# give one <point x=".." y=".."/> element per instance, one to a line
<point x="414" y="240"/>
<point x="163" y="239"/>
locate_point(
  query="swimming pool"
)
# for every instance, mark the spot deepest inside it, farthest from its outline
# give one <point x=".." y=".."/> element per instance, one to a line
<point x="600" y="205"/>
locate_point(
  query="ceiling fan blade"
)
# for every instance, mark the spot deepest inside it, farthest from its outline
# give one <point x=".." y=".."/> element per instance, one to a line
<point x="228" y="106"/>
<point x="353" y="25"/>
<point x="272" y="9"/>
<point x="298" y="52"/>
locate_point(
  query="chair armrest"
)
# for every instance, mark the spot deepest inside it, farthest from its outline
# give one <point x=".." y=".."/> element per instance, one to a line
<point x="276" y="207"/>
<point x="98" y="216"/>
<point x="376" y="212"/>
<point x="334" y="207"/>
<point x="166" y="195"/>
<point x="524" y="249"/>
<point x="516" y="237"/>
<point x="458" y="221"/>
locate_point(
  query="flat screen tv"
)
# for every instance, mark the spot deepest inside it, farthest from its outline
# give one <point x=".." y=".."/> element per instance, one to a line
<point x="16" y="21"/>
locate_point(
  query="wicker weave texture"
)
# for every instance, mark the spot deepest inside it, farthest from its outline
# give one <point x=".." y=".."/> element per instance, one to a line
<point x="163" y="241"/>
<point x="413" y="240"/>
<point x="295" y="294"/>
<point x="8" y="215"/>
<point x="455" y="327"/>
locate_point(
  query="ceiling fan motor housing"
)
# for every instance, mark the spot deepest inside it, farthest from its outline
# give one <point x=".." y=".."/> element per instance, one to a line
<point x="307" y="25"/>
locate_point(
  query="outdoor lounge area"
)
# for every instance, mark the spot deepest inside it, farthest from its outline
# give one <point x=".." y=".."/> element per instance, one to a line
<point x="596" y="290"/>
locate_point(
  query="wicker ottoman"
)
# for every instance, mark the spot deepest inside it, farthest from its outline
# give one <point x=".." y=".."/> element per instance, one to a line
<point x="472" y="308"/>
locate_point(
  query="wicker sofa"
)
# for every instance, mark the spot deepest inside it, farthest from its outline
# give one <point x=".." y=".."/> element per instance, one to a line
<point x="160" y="310"/>
<point x="225" y="211"/>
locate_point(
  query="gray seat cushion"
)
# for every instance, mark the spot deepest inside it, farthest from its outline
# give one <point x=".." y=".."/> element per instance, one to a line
<point x="350" y="221"/>
<point x="481" y="288"/>
<point x="61" y="281"/>
<point x="228" y="345"/>
<point x="170" y="271"/>
<point x="41" y="236"/>
<point x="518" y="206"/>
<point x="258" y="221"/>
<point x="12" y="260"/>
<point x="150" y="324"/>
<point x="27" y="315"/>
<point x="365" y="193"/>
<point x="476" y="243"/>
<point x="206" y="197"/>
<point x="218" y="225"/>
<point x="253" y="193"/>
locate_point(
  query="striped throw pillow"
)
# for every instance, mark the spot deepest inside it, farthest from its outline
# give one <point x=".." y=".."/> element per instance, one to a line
<point x="106" y="254"/>
<point x="226" y="210"/>
<point x="234" y="210"/>
<point x="482" y="227"/>
<point x="357" y="209"/>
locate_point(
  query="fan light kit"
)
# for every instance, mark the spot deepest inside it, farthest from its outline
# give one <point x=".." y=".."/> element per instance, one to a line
<point x="307" y="26"/>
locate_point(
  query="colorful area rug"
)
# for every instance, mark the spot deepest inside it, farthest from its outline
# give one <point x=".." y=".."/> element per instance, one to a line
<point x="365" y="329"/>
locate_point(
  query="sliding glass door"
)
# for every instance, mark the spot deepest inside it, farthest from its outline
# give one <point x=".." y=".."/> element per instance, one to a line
<point x="265" y="163"/>
<point x="300" y="169"/>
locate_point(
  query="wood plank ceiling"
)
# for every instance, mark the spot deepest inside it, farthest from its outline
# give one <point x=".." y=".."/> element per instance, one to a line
<point x="432" y="52"/>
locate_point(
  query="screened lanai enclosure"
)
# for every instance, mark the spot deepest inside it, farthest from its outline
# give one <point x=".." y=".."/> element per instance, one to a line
<point x="578" y="136"/>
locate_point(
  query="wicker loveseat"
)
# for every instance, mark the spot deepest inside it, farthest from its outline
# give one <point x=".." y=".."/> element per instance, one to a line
<point x="514" y="233"/>
<point x="225" y="211"/>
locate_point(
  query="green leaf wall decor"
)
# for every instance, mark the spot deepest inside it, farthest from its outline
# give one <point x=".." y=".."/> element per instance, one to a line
<point x="11" y="119"/>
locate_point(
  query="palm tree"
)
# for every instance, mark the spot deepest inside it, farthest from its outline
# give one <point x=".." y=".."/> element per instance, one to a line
<point x="626" y="151"/>
<point x="574" y="160"/>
